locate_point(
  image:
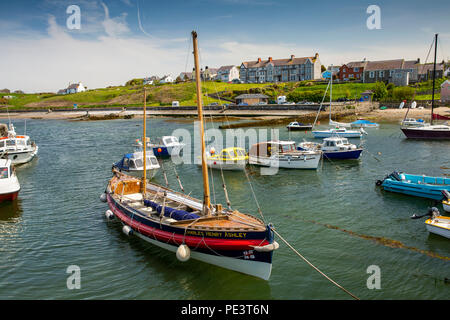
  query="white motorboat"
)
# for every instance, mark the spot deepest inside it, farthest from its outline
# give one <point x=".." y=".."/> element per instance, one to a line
<point x="436" y="223"/>
<point x="298" y="126"/>
<point x="17" y="148"/>
<point x="333" y="148"/>
<point x="9" y="184"/>
<point x="133" y="163"/>
<point x="340" y="132"/>
<point x="446" y="201"/>
<point x="167" y="146"/>
<point x="412" y="122"/>
<point x="283" y="154"/>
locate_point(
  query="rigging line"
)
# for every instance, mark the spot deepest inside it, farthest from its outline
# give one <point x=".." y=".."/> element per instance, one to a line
<point x="314" y="267"/>
<point x="254" y="196"/>
<point x="321" y="103"/>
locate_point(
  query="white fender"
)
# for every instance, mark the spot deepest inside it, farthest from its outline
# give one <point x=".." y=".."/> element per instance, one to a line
<point x="127" y="230"/>
<point x="109" y="215"/>
<point x="103" y="197"/>
<point x="267" y="248"/>
<point x="183" y="253"/>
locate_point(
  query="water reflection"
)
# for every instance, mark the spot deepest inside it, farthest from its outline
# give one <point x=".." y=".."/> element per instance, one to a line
<point x="10" y="211"/>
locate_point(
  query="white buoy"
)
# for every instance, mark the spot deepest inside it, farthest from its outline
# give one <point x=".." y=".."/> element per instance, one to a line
<point x="103" y="197"/>
<point x="127" y="230"/>
<point x="109" y="215"/>
<point x="183" y="253"/>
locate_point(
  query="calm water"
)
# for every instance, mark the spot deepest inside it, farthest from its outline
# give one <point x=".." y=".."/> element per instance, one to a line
<point x="330" y="216"/>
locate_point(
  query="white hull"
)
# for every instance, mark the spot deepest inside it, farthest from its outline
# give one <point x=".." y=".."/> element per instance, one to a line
<point x="254" y="268"/>
<point x="328" y="134"/>
<point x="21" y="157"/>
<point x="438" y="230"/>
<point x="446" y="207"/>
<point x="304" y="162"/>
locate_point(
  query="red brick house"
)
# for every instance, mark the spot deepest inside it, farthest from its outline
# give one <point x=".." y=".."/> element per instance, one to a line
<point x="352" y="71"/>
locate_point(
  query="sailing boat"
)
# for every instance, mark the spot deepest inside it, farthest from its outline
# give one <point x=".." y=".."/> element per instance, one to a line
<point x="429" y="131"/>
<point x="339" y="130"/>
<point x="191" y="227"/>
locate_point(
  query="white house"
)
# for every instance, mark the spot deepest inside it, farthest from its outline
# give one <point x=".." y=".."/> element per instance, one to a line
<point x="166" y="79"/>
<point x="73" y="88"/>
<point x="227" y="73"/>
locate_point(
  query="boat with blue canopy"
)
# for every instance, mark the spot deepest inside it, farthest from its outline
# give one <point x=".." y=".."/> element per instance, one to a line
<point x="133" y="163"/>
<point x="416" y="185"/>
<point x="364" y="124"/>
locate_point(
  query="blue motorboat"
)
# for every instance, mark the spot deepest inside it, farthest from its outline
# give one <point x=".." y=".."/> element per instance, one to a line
<point x="167" y="146"/>
<point x="333" y="148"/>
<point x="415" y="185"/>
<point x="133" y="163"/>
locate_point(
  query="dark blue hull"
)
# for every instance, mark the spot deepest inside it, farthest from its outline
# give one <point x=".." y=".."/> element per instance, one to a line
<point x="161" y="152"/>
<point x="343" y="155"/>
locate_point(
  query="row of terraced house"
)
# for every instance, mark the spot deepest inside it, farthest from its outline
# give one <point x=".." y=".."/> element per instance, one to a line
<point x="400" y="72"/>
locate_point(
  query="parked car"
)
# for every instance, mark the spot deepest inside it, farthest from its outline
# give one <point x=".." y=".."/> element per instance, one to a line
<point x="243" y="104"/>
<point x="287" y="102"/>
<point x="212" y="104"/>
<point x="236" y="81"/>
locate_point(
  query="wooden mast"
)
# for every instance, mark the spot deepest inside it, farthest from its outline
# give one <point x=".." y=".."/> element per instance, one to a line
<point x="206" y="195"/>
<point x="434" y="77"/>
<point x="144" y="176"/>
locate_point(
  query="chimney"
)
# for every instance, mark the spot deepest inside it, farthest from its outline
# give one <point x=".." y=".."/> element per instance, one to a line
<point x="418" y="60"/>
<point x="292" y="57"/>
<point x="259" y="59"/>
<point x="316" y="55"/>
<point x="270" y="59"/>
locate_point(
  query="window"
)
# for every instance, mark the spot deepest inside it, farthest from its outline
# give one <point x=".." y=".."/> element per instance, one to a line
<point x="3" y="173"/>
<point x="356" y="69"/>
<point x="391" y="72"/>
<point x="371" y="74"/>
<point x="381" y="73"/>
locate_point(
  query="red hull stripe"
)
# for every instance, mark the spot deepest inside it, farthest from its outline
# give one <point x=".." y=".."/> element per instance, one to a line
<point x="190" y="241"/>
<point x="9" y="196"/>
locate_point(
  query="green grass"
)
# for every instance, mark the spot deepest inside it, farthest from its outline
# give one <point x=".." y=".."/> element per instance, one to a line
<point x="185" y="93"/>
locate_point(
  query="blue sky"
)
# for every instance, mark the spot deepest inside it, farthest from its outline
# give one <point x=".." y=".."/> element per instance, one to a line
<point x="122" y="39"/>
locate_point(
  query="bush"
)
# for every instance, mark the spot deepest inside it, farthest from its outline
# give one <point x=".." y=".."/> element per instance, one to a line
<point x="380" y="92"/>
<point x="135" y="82"/>
<point x="402" y="93"/>
<point x="308" y="95"/>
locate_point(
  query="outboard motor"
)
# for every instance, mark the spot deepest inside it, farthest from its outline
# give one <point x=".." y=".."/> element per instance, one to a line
<point x="432" y="213"/>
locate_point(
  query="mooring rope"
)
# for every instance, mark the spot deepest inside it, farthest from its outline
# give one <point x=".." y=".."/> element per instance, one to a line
<point x="314" y="267"/>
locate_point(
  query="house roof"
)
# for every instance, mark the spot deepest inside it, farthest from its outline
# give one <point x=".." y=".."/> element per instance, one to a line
<point x="356" y="64"/>
<point x="425" y="68"/>
<point x="445" y="82"/>
<point x="225" y="68"/>
<point x="384" y="65"/>
<point x="252" y="96"/>
<point x="279" y="62"/>
<point x="74" y="86"/>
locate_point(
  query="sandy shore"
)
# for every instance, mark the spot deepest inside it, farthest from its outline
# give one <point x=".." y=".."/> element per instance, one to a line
<point x="375" y="115"/>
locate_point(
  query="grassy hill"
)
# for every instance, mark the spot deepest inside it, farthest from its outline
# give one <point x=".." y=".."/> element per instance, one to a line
<point x="163" y="95"/>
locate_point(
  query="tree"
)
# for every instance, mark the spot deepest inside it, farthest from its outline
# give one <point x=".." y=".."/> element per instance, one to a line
<point x="322" y="68"/>
<point x="178" y="80"/>
<point x="380" y="91"/>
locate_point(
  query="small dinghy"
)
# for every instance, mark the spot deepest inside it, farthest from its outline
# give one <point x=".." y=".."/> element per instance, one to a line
<point x="415" y="185"/>
<point x="436" y="223"/>
<point x="9" y="184"/>
<point x="333" y="148"/>
<point x="298" y="126"/>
